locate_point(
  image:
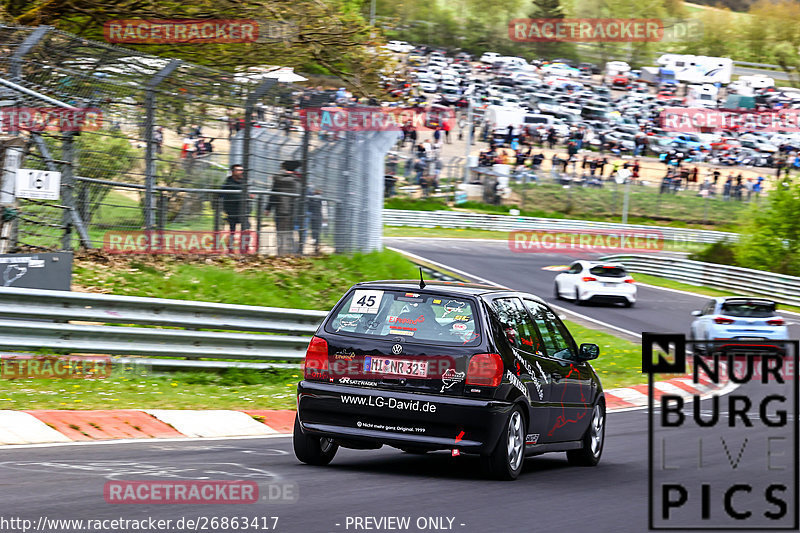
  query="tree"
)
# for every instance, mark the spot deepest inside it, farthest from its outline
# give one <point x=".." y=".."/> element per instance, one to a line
<point x="551" y="9"/>
<point x="331" y="34"/>
<point x="771" y="241"/>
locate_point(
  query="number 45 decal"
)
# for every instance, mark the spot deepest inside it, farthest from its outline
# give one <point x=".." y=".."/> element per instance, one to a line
<point x="366" y="301"/>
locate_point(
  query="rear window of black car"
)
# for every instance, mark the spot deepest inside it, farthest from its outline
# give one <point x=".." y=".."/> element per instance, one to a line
<point x="749" y="309"/>
<point x="608" y="271"/>
<point x="421" y="316"/>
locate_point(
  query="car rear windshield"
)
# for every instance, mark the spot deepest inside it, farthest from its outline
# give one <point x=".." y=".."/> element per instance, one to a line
<point x="749" y="309"/>
<point x="429" y="317"/>
<point x="608" y="271"/>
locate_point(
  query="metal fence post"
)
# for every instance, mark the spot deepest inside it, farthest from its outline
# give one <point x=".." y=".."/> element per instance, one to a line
<point x="25" y="47"/>
<point x="252" y="98"/>
<point x="303" y="193"/>
<point x="150" y="151"/>
<point x="77" y="219"/>
<point x="67" y="185"/>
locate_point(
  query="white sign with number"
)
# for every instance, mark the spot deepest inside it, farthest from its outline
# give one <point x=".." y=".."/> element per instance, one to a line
<point x="366" y="302"/>
<point x="38" y="184"/>
<point x="622" y="175"/>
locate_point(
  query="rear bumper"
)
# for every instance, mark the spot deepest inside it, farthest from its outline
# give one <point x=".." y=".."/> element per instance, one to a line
<point x="400" y="419"/>
<point x="609" y="294"/>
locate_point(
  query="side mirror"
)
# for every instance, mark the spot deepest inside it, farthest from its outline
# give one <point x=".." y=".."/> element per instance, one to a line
<point x="697" y="313"/>
<point x="589" y="351"/>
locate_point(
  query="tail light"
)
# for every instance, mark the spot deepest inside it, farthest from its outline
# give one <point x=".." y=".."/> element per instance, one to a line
<point x="629" y="280"/>
<point x="776" y="322"/>
<point x="588" y="278"/>
<point x="315" y="365"/>
<point x="485" y="369"/>
<point x="721" y="320"/>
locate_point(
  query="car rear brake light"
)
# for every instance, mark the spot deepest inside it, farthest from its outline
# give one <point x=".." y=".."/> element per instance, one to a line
<point x="315" y="365"/>
<point x="588" y="278"/>
<point x="485" y="369"/>
<point x="721" y="320"/>
<point x="776" y="322"/>
<point x="630" y="280"/>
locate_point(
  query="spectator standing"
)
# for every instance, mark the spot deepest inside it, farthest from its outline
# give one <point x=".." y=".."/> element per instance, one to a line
<point x="233" y="204"/>
<point x="283" y="205"/>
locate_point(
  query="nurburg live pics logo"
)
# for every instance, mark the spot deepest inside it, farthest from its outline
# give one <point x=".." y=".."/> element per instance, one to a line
<point x="727" y="460"/>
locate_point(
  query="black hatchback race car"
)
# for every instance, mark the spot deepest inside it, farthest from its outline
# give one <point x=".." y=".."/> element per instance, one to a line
<point x="469" y="368"/>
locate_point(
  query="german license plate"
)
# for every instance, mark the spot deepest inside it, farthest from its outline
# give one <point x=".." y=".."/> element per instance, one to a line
<point x="611" y="284"/>
<point x="397" y="367"/>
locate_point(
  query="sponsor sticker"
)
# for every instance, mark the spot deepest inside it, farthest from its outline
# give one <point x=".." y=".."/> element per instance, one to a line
<point x="450" y="377"/>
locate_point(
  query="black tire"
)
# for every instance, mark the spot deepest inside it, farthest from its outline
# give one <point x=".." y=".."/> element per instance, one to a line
<point x="506" y="460"/>
<point x="578" y="300"/>
<point x="556" y="293"/>
<point x="589" y="454"/>
<point x="628" y="303"/>
<point x="312" y="450"/>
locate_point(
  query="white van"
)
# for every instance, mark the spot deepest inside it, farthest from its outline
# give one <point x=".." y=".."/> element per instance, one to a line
<point x="538" y="120"/>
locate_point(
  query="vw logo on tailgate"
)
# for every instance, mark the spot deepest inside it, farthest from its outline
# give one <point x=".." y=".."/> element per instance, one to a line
<point x="397" y="349"/>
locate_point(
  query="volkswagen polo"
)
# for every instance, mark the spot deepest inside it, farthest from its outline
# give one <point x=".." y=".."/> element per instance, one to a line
<point x="469" y="368"/>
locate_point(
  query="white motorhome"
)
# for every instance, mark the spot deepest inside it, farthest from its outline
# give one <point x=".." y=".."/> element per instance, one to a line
<point x="614" y="68"/>
<point x="501" y="117"/>
<point x="702" y="95"/>
<point x="747" y="85"/>
<point x="698" y="69"/>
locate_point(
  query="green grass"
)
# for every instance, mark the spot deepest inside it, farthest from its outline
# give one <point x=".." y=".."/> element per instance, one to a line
<point x="230" y="389"/>
<point x="646" y="207"/>
<point x="301" y="283"/>
<point x="620" y="361"/>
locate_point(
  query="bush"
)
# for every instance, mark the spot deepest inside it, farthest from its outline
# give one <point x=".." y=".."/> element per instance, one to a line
<point x="771" y="240"/>
<point x="721" y="252"/>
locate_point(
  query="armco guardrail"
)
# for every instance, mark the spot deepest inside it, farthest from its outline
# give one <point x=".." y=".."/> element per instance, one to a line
<point x="781" y="288"/>
<point x="456" y="219"/>
<point x="33" y="319"/>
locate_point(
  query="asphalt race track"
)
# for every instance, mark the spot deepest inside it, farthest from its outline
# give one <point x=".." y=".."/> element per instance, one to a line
<point x="655" y="309"/>
<point x="436" y="492"/>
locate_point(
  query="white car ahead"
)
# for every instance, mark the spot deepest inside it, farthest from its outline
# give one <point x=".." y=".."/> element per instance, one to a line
<point x="586" y="281"/>
<point x="738" y="318"/>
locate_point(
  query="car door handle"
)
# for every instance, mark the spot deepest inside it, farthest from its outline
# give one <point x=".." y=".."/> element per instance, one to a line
<point x="556" y="377"/>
